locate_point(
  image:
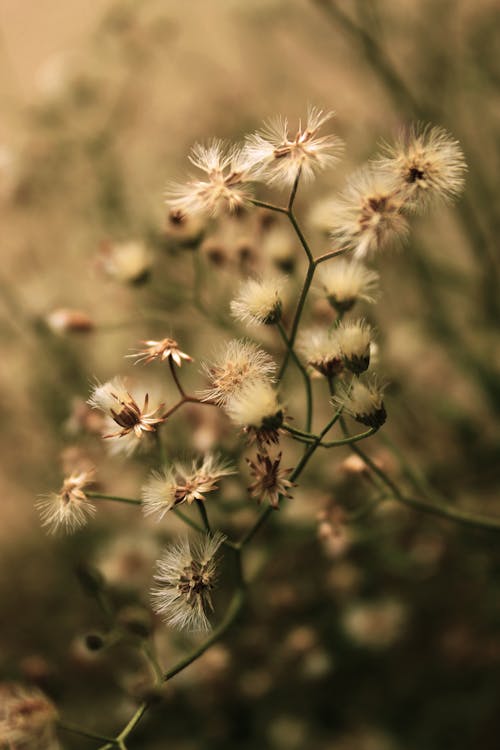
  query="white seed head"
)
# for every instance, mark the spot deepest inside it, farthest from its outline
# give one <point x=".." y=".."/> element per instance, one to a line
<point x="69" y="509"/>
<point x="320" y="349"/>
<point x="127" y="262"/>
<point x="427" y="164"/>
<point x="259" y="301"/>
<point x="277" y="157"/>
<point x="186" y="574"/>
<point x="367" y="217"/>
<point x="354" y="339"/>
<point x="364" y="401"/>
<point x="345" y="282"/>
<point x="255" y="405"/>
<point x="238" y="364"/>
<point x="118" y="404"/>
<point x="182" y="483"/>
<point x="225" y="186"/>
<point x="27" y="718"/>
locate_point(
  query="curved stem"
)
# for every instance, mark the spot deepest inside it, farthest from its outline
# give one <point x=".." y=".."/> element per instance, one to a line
<point x="175" y="377"/>
<point x="114" y="498"/>
<point x="304" y="373"/>
<point x="204" y="515"/>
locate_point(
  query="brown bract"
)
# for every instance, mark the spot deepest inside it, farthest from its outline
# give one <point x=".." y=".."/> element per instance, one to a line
<point x="270" y="479"/>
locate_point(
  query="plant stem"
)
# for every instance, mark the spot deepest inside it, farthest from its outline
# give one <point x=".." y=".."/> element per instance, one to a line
<point x="115" y="498"/>
<point x="204" y="515"/>
<point x="304" y="373"/>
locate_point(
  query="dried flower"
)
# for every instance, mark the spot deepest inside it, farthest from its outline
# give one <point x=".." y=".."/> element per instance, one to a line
<point x="113" y="399"/>
<point x="64" y="320"/>
<point x="70" y="508"/>
<point x="363" y="400"/>
<point x="345" y="282"/>
<point x="27" y="719"/>
<point x="225" y="186"/>
<point x="181" y="483"/>
<point x="162" y="350"/>
<point x="127" y="262"/>
<point x="259" y="301"/>
<point x="320" y="349"/>
<point x="368" y="215"/>
<point x="256" y="409"/>
<point x="277" y="159"/>
<point x="427" y="164"/>
<point x="270" y="479"/>
<point x="186" y="574"/>
<point x="238" y="364"/>
<point x="354" y="340"/>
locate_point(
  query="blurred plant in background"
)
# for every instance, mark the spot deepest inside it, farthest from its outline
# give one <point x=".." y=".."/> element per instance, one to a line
<point x="348" y="587"/>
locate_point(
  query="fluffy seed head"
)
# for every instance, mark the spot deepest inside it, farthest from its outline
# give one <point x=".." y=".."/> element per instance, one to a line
<point x="182" y="483"/>
<point x="259" y="301"/>
<point x="240" y="363"/>
<point x="225" y="186"/>
<point x="277" y="157"/>
<point x="256" y="409"/>
<point x="27" y="718"/>
<point x="320" y="349"/>
<point x="364" y="401"/>
<point x="344" y="282"/>
<point x="367" y="217"/>
<point x="186" y="574"/>
<point x="127" y="262"/>
<point x="69" y="509"/>
<point x="116" y="402"/>
<point x="354" y="340"/>
<point x="427" y="165"/>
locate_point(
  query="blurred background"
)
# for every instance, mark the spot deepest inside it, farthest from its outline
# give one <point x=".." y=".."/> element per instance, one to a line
<point x="384" y="635"/>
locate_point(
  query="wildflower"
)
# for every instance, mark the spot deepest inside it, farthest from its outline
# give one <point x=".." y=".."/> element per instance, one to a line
<point x="259" y="301"/>
<point x="364" y="402"/>
<point x="427" y="164"/>
<point x="270" y="480"/>
<point x="181" y="483"/>
<point x="240" y="363"/>
<point x="278" y="159"/>
<point x="27" y="718"/>
<point x="64" y="320"/>
<point x="368" y="215"/>
<point x="354" y="341"/>
<point x="69" y="508"/>
<point x="162" y="350"/>
<point x="321" y="350"/>
<point x="225" y="186"/>
<point x="256" y="409"/>
<point x="127" y="262"/>
<point x="345" y="282"/>
<point x="113" y="399"/>
<point x="185" y="577"/>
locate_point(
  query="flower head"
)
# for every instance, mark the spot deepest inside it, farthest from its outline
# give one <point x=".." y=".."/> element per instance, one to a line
<point x="225" y="185"/>
<point x="162" y="350"/>
<point x="277" y="157"/>
<point x="320" y="349"/>
<point x="259" y="301"/>
<point x="70" y="508"/>
<point x="427" y="164"/>
<point x="114" y="400"/>
<point x="239" y="363"/>
<point x="256" y="409"/>
<point x="270" y="479"/>
<point x="182" y="483"/>
<point x="354" y="340"/>
<point x="364" y="401"/>
<point x="127" y="262"/>
<point x="27" y="718"/>
<point x="345" y="282"/>
<point x="186" y="574"/>
<point x="368" y="215"/>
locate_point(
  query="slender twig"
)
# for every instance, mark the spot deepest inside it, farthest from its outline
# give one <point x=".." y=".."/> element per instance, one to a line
<point x="204" y="515"/>
<point x="73" y="729"/>
<point x="304" y="373"/>
<point x="114" y="498"/>
<point x="175" y="377"/>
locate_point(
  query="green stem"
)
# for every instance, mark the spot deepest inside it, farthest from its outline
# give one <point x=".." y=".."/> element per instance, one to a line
<point x="304" y="373"/>
<point x="73" y="729"/>
<point x="115" y="498"/>
<point x="204" y="515"/>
